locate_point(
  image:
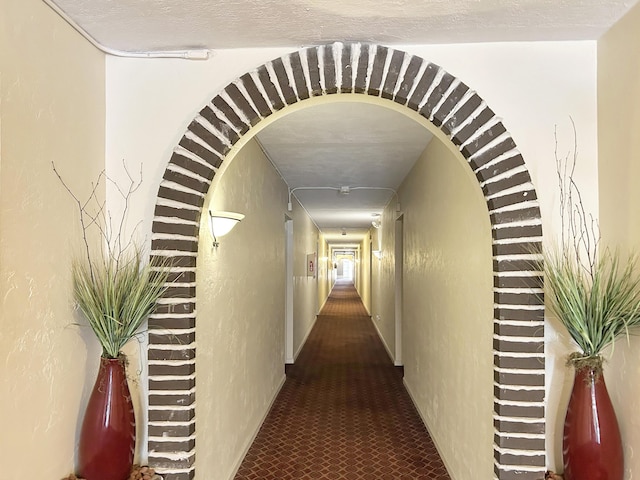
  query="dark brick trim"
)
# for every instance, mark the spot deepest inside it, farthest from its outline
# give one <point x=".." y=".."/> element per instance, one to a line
<point x="517" y="443"/>
<point x="520" y="395"/>
<point x="492" y="155"/>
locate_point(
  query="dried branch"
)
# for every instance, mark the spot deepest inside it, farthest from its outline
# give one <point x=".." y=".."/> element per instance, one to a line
<point x="82" y="208"/>
<point x="115" y="243"/>
<point x="93" y="214"/>
<point x="115" y="290"/>
<point x="582" y="229"/>
<point x="593" y="293"/>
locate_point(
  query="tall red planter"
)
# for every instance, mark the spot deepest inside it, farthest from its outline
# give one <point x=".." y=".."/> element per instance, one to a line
<point x="108" y="435"/>
<point x="592" y="446"/>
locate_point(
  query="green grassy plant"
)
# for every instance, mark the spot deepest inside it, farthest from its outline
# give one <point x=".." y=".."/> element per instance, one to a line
<point x="592" y="291"/>
<point x="116" y="296"/>
<point x="597" y="303"/>
<point x="115" y="289"/>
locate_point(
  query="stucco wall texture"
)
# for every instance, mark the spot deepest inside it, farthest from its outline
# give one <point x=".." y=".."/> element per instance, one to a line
<point x="448" y="308"/>
<point x="47" y="114"/>
<point x="619" y="169"/>
<point x="240" y="323"/>
<point x="306" y="239"/>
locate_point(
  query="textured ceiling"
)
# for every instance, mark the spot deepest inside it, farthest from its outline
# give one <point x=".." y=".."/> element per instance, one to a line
<point x="141" y="25"/>
<point x="339" y="144"/>
<point x="344" y="144"/>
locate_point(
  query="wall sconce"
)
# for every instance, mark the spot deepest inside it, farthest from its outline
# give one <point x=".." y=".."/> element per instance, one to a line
<point x="376" y="220"/>
<point x="222" y="223"/>
<point x="377" y="254"/>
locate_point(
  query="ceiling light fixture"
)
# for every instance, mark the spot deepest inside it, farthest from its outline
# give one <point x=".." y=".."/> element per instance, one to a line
<point x="222" y="223"/>
<point x="343" y="190"/>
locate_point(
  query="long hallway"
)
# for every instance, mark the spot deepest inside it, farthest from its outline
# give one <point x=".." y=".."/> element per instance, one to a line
<point x="343" y="412"/>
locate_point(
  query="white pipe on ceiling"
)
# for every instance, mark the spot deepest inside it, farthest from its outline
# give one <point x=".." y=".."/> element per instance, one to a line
<point x="201" y="54"/>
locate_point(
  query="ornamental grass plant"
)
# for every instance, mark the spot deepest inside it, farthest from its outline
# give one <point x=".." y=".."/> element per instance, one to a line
<point x="117" y="295"/>
<point x="596" y="304"/>
<point x="592" y="291"/>
<point x="113" y="285"/>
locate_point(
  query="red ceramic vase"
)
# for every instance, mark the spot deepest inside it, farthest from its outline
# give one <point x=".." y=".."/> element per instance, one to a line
<point x="108" y="435"/>
<point x="592" y="446"/>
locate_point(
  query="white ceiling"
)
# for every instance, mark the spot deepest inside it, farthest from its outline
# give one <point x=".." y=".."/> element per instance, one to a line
<point x="351" y="144"/>
<point x="142" y="25"/>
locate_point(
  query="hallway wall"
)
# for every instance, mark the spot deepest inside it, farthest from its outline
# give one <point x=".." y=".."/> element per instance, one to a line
<point x="324" y="271"/>
<point x="365" y="267"/>
<point x="305" y="287"/>
<point x="448" y="309"/>
<point x="383" y="308"/>
<point x="241" y="292"/>
<point x="619" y="169"/>
<point x="240" y="315"/>
<point x="52" y="109"/>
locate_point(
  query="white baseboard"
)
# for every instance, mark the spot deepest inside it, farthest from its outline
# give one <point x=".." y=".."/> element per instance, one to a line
<point x="323" y="304"/>
<point x="386" y="347"/>
<point x="306" y="336"/>
<point x="435" y="441"/>
<point x="247" y="445"/>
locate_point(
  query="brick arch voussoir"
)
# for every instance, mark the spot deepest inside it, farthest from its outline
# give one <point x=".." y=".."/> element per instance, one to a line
<point x="492" y="155"/>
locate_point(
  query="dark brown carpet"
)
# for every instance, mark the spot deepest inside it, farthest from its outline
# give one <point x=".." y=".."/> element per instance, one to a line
<point x="343" y="412"/>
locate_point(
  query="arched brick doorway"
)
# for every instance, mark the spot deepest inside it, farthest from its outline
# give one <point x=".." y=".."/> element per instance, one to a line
<point x="519" y="417"/>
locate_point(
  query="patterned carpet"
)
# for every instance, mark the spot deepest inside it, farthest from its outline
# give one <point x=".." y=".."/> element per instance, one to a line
<point x="343" y="412"/>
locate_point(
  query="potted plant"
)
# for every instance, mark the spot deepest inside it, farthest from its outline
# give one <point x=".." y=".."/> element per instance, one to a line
<point x="116" y="290"/>
<point x="596" y="296"/>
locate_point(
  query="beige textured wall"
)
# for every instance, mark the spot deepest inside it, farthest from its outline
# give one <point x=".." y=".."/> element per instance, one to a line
<point x="384" y="281"/>
<point x="52" y="108"/>
<point x="240" y="290"/>
<point x="448" y="309"/>
<point x="618" y="126"/>
<point x="241" y="299"/>
<point x="324" y="271"/>
<point x="619" y="170"/>
<point x="364" y="267"/>
<point x="305" y="287"/>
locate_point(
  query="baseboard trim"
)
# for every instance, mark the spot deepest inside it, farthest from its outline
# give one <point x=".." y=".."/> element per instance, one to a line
<point x="248" y="444"/>
<point x="386" y="347"/>
<point x="304" y="340"/>
<point x="323" y="303"/>
<point x="424" y="421"/>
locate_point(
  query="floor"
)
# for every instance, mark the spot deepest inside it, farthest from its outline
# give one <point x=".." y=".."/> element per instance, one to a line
<point x="343" y="412"/>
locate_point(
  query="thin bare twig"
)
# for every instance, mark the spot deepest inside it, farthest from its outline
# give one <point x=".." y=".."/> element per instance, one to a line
<point x="82" y="210"/>
<point x="94" y="214"/>
<point x="582" y="229"/>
